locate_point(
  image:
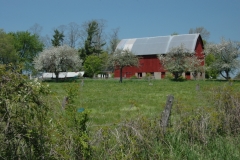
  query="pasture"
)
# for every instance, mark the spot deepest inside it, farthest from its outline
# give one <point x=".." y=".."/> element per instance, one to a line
<point x="110" y="101"/>
<point x="124" y="117"/>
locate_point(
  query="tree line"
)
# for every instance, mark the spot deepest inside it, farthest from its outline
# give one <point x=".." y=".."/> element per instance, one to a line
<point x="89" y="42"/>
<point x="94" y="54"/>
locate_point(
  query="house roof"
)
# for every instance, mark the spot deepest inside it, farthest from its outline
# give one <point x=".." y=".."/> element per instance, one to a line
<point x="158" y="45"/>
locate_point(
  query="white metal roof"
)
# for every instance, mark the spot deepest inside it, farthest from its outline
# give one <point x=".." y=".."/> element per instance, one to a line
<point x="158" y="45"/>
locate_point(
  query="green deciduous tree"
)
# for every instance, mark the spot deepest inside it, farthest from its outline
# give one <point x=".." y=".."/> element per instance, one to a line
<point x="121" y="59"/>
<point x="210" y="72"/>
<point x="27" y="46"/>
<point x="8" y="53"/>
<point x="226" y="56"/>
<point x="178" y="60"/>
<point x="92" y="65"/>
<point x="58" y="59"/>
<point x="58" y="38"/>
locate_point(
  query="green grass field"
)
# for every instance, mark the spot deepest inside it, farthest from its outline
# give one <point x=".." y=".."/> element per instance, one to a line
<point x="124" y="117"/>
<point x="110" y="101"/>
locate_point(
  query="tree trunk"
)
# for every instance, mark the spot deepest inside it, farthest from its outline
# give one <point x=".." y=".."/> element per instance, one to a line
<point x="227" y="77"/>
<point x="195" y="75"/>
<point x="120" y="75"/>
<point x="176" y="75"/>
<point x="57" y="75"/>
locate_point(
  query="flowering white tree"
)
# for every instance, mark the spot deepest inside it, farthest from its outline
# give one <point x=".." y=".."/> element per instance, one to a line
<point x="180" y="59"/>
<point x="121" y="59"/>
<point x="58" y="59"/>
<point x="226" y="56"/>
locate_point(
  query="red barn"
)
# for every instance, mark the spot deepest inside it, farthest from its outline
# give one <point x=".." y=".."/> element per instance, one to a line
<point x="149" y="48"/>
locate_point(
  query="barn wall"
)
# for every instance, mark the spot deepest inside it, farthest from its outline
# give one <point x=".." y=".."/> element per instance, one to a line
<point x="147" y="64"/>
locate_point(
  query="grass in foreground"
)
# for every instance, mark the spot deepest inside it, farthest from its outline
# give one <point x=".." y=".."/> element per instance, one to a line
<point x="124" y="118"/>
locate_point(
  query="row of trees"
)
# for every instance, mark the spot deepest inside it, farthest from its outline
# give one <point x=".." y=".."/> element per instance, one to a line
<point x="21" y="48"/>
<point x="27" y="49"/>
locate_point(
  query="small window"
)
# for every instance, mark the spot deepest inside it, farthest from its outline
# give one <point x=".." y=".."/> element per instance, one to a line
<point x="139" y="75"/>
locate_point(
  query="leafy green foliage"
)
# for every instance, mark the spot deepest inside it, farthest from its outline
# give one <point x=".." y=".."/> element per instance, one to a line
<point x="124" y="122"/>
<point x="93" y="44"/>
<point x="8" y="53"/>
<point x="23" y="116"/>
<point x="210" y="72"/>
<point x="169" y="76"/>
<point x="32" y="126"/>
<point x="92" y="65"/>
<point x="27" y="46"/>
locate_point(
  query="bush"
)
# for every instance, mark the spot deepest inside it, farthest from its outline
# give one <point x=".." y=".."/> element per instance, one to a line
<point x="112" y="75"/>
<point x="23" y="113"/>
<point x="168" y="76"/>
<point x="32" y="127"/>
<point x="134" y="77"/>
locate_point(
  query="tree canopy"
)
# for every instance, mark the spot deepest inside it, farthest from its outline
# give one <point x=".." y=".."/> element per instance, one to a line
<point x="92" y="65"/>
<point x="8" y="52"/>
<point x="58" y="59"/>
<point x="121" y="59"/>
<point x="27" y="46"/>
<point x="94" y="42"/>
<point x="226" y="55"/>
<point x="58" y="38"/>
<point x="178" y="60"/>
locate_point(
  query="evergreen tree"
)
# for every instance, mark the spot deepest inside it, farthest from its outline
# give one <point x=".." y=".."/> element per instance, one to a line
<point x="93" y="44"/>
<point x="58" y="38"/>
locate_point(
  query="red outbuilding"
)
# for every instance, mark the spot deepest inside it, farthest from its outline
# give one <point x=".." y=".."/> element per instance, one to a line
<point x="149" y="48"/>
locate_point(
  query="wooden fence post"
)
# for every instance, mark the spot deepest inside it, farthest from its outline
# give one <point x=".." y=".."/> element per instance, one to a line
<point x="64" y="102"/>
<point x="166" y="113"/>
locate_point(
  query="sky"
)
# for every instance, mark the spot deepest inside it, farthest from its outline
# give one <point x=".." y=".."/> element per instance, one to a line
<point x="134" y="18"/>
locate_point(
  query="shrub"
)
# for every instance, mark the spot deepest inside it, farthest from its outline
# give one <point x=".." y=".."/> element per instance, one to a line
<point x="168" y="76"/>
<point x="23" y="112"/>
<point x="32" y="127"/>
<point x="134" y="77"/>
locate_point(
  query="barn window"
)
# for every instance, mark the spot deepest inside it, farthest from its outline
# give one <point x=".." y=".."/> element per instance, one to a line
<point x="162" y="75"/>
<point x="139" y="75"/>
